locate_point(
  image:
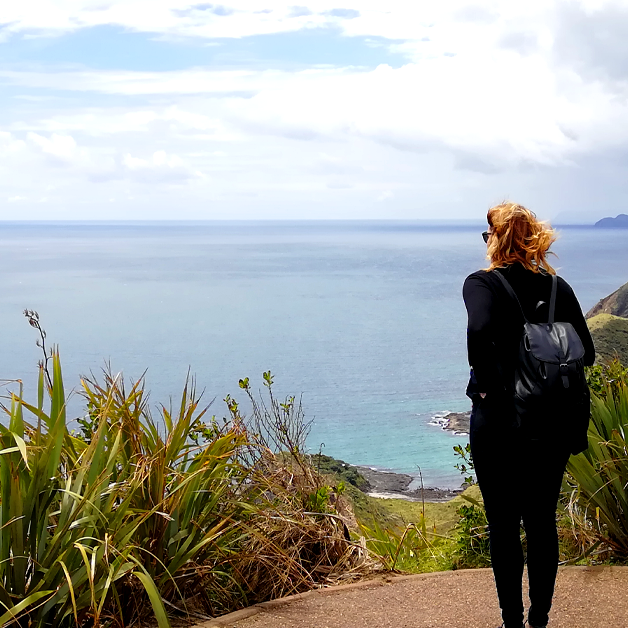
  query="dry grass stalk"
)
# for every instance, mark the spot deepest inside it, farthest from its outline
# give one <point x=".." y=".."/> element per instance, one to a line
<point x="297" y="540"/>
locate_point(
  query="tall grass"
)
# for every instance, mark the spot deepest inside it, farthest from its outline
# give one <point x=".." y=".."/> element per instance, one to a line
<point x="183" y="513"/>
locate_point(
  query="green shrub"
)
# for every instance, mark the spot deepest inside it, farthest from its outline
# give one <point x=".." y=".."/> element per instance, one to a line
<point x="472" y="539"/>
<point x="606" y="377"/>
<point x="340" y="470"/>
<point x="597" y="478"/>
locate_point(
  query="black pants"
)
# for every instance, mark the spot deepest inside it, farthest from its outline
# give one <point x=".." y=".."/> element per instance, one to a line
<point x="520" y="480"/>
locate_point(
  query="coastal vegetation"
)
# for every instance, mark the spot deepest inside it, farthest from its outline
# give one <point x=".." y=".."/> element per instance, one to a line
<point x="596" y="479"/>
<point x="185" y="514"/>
<point x="181" y="514"/>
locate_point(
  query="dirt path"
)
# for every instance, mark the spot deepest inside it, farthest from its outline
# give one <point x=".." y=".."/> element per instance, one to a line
<point x="595" y="597"/>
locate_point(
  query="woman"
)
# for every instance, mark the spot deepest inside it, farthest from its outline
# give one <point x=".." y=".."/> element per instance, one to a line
<point x="520" y="477"/>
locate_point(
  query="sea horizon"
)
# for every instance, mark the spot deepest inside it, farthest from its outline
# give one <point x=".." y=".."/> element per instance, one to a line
<point x="365" y="319"/>
<point x="465" y="222"/>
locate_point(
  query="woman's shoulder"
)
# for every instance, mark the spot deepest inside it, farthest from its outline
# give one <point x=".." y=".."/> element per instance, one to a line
<point x="479" y="276"/>
<point x="563" y="286"/>
<point x="480" y="280"/>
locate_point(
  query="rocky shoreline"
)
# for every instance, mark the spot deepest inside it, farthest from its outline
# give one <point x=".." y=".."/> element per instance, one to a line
<point x="457" y="422"/>
<point x="392" y="485"/>
<point x="387" y="484"/>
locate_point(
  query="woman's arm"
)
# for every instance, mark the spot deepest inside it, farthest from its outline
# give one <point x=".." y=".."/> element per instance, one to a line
<point x="480" y="303"/>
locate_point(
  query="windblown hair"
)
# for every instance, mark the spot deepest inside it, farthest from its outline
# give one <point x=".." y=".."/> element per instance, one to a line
<point x="518" y="236"/>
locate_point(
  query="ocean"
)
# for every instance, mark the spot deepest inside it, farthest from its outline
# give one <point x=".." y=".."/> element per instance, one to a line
<point x="364" y="320"/>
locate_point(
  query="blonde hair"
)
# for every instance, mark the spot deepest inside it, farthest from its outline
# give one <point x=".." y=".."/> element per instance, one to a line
<point x="518" y="236"/>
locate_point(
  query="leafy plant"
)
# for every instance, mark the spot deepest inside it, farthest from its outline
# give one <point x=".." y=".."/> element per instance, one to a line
<point x="606" y="377"/>
<point x="472" y="539"/>
<point x="183" y="483"/>
<point x="597" y="478"/>
<point x="465" y="466"/>
<point x="63" y="548"/>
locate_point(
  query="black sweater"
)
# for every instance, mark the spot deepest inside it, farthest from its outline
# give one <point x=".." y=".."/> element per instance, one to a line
<point x="495" y="323"/>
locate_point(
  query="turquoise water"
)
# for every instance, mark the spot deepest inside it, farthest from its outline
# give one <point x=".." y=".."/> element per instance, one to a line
<point x="364" y="319"/>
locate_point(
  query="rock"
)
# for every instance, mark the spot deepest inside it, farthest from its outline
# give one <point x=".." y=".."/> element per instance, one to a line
<point x="615" y="304"/>
<point x="387" y="484"/>
<point x="433" y="494"/>
<point x="619" y="222"/>
<point x="457" y="422"/>
<point x="385" y="481"/>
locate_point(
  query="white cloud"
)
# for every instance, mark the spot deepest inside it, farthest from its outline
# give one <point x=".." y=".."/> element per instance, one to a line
<point x="160" y="167"/>
<point x="441" y="26"/>
<point x="9" y="145"/>
<point x="61" y="147"/>
<point x="510" y="108"/>
<point x="496" y="97"/>
<point x="340" y="184"/>
<point x="101" y="122"/>
<point x="89" y="164"/>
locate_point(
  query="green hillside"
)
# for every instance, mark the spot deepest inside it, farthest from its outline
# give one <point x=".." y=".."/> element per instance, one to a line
<point x="610" y="335"/>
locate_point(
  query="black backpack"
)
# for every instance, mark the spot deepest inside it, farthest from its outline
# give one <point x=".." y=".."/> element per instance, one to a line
<point x="550" y="390"/>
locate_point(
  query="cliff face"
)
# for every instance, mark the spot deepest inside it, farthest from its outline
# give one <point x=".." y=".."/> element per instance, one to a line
<point x="615" y="304"/>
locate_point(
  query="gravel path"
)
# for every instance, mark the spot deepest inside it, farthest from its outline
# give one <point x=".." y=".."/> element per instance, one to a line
<point x="595" y="597"/>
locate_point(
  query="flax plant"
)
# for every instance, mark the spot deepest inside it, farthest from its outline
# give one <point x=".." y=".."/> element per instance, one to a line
<point x="182" y="476"/>
<point x="91" y="528"/>
<point x="598" y="477"/>
<point x="60" y="548"/>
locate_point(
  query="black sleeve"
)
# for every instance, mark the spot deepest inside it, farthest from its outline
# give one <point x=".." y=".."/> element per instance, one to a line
<point x="480" y="303"/>
<point x="576" y="318"/>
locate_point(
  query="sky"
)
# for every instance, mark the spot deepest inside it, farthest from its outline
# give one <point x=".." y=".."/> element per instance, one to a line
<point x="312" y="109"/>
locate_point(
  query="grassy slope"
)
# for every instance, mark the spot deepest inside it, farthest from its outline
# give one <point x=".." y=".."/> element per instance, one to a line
<point x="610" y="335"/>
<point x="440" y="517"/>
<point x="390" y="512"/>
<point x="395" y="514"/>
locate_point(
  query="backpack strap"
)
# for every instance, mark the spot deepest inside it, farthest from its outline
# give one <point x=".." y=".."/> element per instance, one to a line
<point x="563" y="362"/>
<point x="552" y="307"/>
<point x="511" y="292"/>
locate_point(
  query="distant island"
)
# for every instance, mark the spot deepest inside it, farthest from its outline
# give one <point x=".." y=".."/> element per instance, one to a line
<point x="619" y="222"/>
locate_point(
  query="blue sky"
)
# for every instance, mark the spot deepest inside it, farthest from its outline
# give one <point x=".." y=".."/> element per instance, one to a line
<point x="170" y="109"/>
<point x="110" y="47"/>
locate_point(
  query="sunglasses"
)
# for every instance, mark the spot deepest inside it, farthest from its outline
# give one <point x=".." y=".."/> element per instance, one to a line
<point x="485" y="236"/>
